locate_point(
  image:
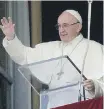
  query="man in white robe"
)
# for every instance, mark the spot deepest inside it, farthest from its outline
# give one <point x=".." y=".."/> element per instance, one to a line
<point x="72" y="44"/>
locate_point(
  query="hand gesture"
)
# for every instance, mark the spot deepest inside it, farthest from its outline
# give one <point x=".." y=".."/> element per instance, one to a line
<point x="8" y="28"/>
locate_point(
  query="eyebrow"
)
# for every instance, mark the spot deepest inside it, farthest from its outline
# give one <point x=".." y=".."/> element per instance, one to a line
<point x="71" y="23"/>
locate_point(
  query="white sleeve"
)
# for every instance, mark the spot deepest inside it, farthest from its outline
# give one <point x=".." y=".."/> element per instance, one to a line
<point x="6" y="42"/>
<point x="20" y="53"/>
<point x="99" y="83"/>
<point x="98" y="88"/>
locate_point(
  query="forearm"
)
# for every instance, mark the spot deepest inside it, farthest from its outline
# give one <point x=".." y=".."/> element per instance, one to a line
<point x="16" y="50"/>
<point x="22" y="54"/>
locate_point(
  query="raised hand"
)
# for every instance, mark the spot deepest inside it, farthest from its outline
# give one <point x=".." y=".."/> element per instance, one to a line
<point x="8" y="28"/>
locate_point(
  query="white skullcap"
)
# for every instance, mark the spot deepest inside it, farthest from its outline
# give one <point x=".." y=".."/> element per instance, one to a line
<point x="75" y="14"/>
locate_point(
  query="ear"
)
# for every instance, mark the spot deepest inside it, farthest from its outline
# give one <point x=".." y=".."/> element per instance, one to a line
<point x="79" y="27"/>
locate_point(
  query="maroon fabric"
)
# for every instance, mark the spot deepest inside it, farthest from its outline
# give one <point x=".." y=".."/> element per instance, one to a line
<point x="88" y="104"/>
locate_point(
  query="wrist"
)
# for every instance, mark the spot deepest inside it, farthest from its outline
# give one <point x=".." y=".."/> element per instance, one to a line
<point x="10" y="37"/>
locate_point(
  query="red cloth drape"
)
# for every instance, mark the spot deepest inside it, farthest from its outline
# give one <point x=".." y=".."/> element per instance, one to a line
<point x="88" y="104"/>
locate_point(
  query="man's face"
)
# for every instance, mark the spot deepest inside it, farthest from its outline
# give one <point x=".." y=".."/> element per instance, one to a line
<point x="68" y="27"/>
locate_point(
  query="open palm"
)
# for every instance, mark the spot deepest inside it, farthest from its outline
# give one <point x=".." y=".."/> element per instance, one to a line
<point x="7" y="28"/>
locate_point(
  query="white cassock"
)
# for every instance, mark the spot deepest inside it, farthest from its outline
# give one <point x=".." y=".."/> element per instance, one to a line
<point x="75" y="49"/>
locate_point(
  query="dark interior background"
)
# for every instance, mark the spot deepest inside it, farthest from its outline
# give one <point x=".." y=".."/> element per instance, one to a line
<point x="52" y="9"/>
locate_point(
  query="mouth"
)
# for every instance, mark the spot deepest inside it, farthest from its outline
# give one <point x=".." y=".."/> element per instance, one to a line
<point x="62" y="35"/>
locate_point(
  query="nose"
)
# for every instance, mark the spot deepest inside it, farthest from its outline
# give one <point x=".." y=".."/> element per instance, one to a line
<point x="61" y="29"/>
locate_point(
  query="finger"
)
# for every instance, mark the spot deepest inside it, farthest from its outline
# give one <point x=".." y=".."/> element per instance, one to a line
<point x="2" y="22"/>
<point x="86" y="84"/>
<point x="89" y="87"/>
<point x="88" y="80"/>
<point x="13" y="25"/>
<point x="10" y="20"/>
<point x="1" y="26"/>
<point x="5" y="20"/>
